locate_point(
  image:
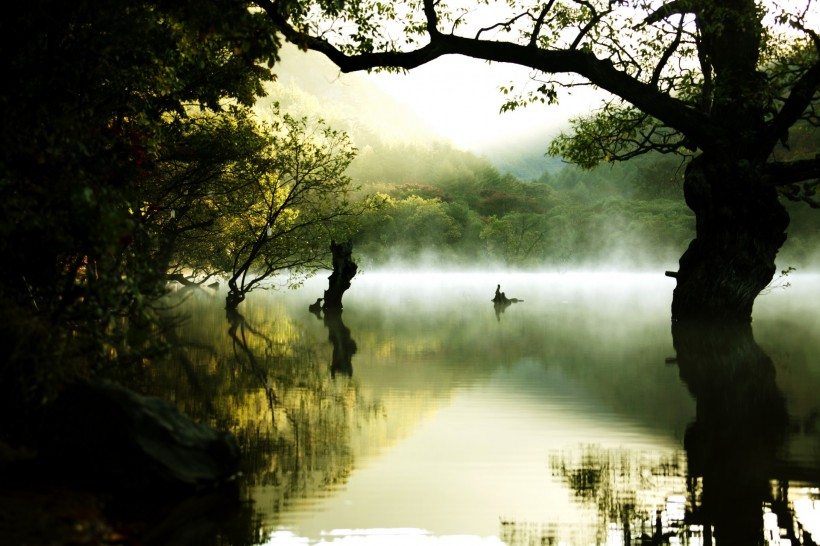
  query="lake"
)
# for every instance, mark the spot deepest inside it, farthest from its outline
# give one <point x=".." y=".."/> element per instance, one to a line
<point x="424" y="414"/>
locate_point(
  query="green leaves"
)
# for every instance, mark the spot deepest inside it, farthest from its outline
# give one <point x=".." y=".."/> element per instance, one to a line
<point x="616" y="132"/>
<point x="544" y="94"/>
<point x="286" y="213"/>
<point x="101" y="141"/>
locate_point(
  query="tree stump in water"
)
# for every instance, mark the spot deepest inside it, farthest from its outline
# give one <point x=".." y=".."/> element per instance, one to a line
<point x="344" y="269"/>
<point x="501" y="298"/>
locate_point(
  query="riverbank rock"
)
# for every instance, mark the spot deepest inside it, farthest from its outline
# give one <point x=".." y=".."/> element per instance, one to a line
<point x="100" y="433"/>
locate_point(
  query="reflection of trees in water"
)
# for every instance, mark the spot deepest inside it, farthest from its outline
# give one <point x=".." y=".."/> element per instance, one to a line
<point x="266" y="383"/>
<point x="344" y="346"/>
<point x="728" y="487"/>
<point x="636" y="495"/>
<point x="294" y="424"/>
<point x="621" y="483"/>
<point x="740" y="425"/>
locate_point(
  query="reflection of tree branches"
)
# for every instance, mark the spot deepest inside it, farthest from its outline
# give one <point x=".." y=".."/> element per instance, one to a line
<point x="637" y="492"/>
<point x="309" y="449"/>
<point x="238" y="332"/>
<point x="176" y="355"/>
<point x="629" y="488"/>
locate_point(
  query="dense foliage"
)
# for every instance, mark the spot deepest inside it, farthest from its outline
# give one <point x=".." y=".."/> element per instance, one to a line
<point x="286" y="215"/>
<point x="130" y="152"/>
<point x="622" y="216"/>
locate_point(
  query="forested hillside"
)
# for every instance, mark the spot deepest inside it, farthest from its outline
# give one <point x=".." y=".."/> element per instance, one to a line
<point x="447" y="206"/>
<point x="438" y="205"/>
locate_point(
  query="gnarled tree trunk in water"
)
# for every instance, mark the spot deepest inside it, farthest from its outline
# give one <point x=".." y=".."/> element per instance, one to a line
<point x="740" y="224"/>
<point x="344" y="269"/>
<point x="740" y="228"/>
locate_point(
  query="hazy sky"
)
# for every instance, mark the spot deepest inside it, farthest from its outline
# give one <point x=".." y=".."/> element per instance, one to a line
<point x="460" y="98"/>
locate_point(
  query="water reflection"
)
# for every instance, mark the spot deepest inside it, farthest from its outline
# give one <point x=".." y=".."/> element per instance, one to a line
<point x="729" y="486"/>
<point x="344" y="347"/>
<point x="561" y="424"/>
<point x="637" y="494"/>
<point x="264" y="378"/>
<point x="740" y="426"/>
<point x="501" y="302"/>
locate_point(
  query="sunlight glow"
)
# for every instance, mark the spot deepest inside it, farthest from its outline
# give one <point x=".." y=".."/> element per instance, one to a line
<point x="807" y="511"/>
<point x="460" y="99"/>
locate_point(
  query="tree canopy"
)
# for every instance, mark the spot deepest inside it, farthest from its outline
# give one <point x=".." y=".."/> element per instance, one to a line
<point x="130" y="147"/>
<point x="672" y="66"/>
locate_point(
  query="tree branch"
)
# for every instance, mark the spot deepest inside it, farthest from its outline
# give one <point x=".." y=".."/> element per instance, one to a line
<point x="594" y="20"/>
<point x="675" y="7"/>
<point x="783" y="173"/>
<point x="536" y="30"/>
<point x="799" y="99"/>
<point x="667" y="54"/>
<point x="506" y="25"/>
<point x="432" y="17"/>
<point x="600" y="72"/>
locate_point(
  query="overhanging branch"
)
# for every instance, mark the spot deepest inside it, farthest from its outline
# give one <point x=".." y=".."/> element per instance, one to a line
<point x="801" y="96"/>
<point x="600" y="72"/>
<point x="783" y="173"/>
<point x="676" y="7"/>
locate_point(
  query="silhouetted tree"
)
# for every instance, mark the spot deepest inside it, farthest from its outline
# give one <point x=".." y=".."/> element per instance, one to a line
<point x="284" y="218"/>
<point x="344" y="269"/>
<point x="721" y="81"/>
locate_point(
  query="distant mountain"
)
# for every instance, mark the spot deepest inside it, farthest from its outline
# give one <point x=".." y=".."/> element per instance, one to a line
<point x="525" y="159"/>
<point x="309" y="84"/>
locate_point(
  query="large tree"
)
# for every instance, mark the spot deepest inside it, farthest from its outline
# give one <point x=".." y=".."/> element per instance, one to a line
<point x="722" y="81"/>
<point x="100" y="148"/>
<point x="287" y="214"/>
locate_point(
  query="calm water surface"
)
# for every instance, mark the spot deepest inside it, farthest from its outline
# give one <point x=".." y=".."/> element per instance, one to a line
<point x="424" y="415"/>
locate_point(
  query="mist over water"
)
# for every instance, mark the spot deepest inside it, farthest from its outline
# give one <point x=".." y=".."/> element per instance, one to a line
<point x="556" y="418"/>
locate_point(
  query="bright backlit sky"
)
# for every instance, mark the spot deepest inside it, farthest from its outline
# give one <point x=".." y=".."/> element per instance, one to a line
<point x="460" y="98"/>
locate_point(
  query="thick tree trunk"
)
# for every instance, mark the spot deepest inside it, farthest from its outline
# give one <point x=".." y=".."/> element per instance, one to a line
<point x="235" y="296"/>
<point x="740" y="228"/>
<point x="344" y="269"/>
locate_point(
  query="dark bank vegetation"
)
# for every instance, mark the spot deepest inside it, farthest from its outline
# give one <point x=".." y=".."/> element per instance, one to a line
<point x="131" y="156"/>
